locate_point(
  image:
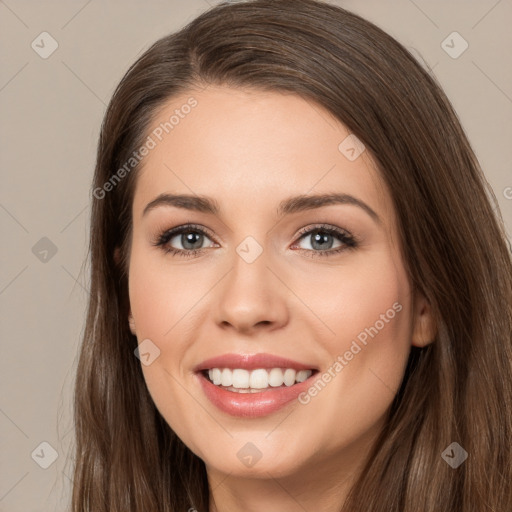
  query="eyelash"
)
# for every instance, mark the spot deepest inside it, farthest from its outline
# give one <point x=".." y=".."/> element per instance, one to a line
<point x="350" y="242"/>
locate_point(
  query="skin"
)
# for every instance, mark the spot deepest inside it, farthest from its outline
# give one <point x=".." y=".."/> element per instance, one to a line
<point x="249" y="150"/>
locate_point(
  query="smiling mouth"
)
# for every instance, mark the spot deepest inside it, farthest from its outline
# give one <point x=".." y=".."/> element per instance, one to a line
<point x="239" y="380"/>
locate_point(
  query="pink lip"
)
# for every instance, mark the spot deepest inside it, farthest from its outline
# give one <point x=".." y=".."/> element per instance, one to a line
<point x="251" y="362"/>
<point x="252" y="405"/>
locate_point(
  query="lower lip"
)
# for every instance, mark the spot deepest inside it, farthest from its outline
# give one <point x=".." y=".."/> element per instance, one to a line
<point x="252" y="405"/>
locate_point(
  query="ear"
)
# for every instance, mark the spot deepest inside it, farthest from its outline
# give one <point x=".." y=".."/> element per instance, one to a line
<point x="131" y="322"/>
<point x="424" y="328"/>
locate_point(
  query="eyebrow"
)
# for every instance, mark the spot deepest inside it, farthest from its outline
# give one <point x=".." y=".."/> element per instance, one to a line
<point x="288" y="206"/>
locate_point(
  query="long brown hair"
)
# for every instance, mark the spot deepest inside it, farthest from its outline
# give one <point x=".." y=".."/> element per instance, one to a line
<point x="457" y="389"/>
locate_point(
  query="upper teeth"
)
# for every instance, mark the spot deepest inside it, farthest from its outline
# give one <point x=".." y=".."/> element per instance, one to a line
<point x="257" y="379"/>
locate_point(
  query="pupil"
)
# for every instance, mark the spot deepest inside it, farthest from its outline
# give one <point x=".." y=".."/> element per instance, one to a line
<point x="321" y="239"/>
<point x="189" y="239"/>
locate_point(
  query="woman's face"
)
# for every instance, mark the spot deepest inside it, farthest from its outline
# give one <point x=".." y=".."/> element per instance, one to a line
<point x="319" y="283"/>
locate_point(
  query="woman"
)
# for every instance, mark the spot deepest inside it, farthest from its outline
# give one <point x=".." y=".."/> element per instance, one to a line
<point x="337" y="335"/>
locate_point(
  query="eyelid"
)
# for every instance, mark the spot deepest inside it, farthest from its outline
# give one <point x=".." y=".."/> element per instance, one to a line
<point x="171" y="232"/>
<point x="348" y="240"/>
<point x="322" y="226"/>
<point x="303" y="231"/>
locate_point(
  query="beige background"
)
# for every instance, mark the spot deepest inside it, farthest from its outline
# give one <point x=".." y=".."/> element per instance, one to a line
<point x="51" y="114"/>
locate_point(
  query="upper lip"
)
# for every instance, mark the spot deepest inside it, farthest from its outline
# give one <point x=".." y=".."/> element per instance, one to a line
<point x="251" y="362"/>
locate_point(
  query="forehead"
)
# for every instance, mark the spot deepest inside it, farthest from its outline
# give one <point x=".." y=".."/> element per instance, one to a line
<point x="253" y="147"/>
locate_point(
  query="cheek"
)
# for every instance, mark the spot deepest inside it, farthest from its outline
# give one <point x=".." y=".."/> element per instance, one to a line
<point x="166" y="301"/>
<point x="161" y="295"/>
<point x="370" y="316"/>
<point x="365" y="301"/>
<point x="162" y="302"/>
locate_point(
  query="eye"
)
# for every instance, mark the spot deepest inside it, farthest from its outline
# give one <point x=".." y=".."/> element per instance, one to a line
<point x="191" y="238"/>
<point x="322" y="238"/>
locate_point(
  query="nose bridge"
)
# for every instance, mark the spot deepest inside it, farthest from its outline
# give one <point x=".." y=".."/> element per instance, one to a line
<point x="250" y="293"/>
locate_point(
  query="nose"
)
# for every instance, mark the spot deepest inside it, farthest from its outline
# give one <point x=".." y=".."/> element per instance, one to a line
<point x="251" y="297"/>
